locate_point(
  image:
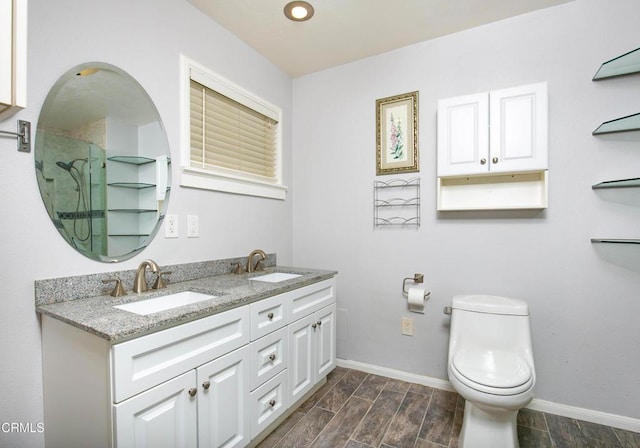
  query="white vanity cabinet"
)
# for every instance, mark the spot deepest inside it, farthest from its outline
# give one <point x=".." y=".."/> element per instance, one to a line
<point x="218" y="381"/>
<point x="493" y="132"/>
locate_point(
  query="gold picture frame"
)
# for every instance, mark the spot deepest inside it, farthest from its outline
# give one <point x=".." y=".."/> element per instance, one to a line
<point x="397" y="134"/>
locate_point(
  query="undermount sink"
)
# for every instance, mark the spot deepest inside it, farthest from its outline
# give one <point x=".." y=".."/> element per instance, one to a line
<point x="168" y="302"/>
<point x="275" y="277"/>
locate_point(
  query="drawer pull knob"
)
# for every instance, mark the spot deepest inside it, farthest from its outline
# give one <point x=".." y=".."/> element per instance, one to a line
<point x="193" y="391"/>
<point x="206" y="385"/>
<point x="272" y="403"/>
<point x="270" y="316"/>
<point x="272" y="356"/>
<point x="494" y="160"/>
<point x="483" y="161"/>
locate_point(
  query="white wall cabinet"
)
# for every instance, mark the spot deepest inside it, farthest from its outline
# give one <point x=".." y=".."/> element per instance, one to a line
<point x="205" y="383"/>
<point x="13" y="56"/>
<point x="493" y="150"/>
<point x="494" y="132"/>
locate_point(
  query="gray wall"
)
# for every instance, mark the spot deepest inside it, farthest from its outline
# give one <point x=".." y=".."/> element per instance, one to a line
<point x="144" y="38"/>
<point x="583" y="298"/>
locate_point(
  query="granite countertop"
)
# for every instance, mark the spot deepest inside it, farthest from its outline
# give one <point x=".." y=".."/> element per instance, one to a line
<point x="97" y="314"/>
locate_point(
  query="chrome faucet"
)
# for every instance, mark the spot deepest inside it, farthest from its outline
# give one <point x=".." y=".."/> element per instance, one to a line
<point x="257" y="267"/>
<point x="140" y="281"/>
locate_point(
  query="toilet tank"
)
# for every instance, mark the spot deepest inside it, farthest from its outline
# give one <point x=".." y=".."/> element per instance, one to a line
<point x="491" y="304"/>
<point x="484" y="322"/>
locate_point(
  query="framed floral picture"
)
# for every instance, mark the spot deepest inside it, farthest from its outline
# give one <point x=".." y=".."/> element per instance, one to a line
<point x="397" y="134"/>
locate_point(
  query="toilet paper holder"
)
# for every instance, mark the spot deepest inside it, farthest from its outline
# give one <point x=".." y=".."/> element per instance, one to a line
<point x="417" y="278"/>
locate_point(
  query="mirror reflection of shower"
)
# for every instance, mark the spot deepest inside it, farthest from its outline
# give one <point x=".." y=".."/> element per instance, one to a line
<point x="82" y="212"/>
<point x="72" y="178"/>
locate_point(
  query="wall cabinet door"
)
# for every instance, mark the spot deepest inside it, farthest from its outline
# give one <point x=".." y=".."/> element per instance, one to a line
<point x="495" y="132"/>
<point x="223" y="410"/>
<point x="311" y="350"/>
<point x="164" y="416"/>
<point x="13" y="56"/>
<point x="463" y="135"/>
<point x="518" y="136"/>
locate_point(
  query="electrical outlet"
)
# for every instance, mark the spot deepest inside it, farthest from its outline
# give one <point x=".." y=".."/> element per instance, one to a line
<point x="407" y="326"/>
<point x="171" y="226"/>
<point x="193" y="226"/>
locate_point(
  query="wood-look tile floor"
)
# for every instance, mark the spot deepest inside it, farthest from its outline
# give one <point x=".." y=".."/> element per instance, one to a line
<point x="359" y="410"/>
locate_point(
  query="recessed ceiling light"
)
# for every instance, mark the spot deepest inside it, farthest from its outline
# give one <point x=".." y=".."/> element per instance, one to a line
<point x="298" y="11"/>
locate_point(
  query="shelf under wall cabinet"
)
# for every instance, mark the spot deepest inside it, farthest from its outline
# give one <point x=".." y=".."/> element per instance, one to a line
<point x="134" y="160"/>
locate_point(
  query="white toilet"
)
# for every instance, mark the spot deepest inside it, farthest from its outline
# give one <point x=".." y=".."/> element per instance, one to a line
<point x="491" y="366"/>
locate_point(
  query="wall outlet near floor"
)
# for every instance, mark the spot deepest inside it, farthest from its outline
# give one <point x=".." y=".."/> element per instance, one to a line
<point x="193" y="226"/>
<point x="407" y="326"/>
<point x="171" y="226"/>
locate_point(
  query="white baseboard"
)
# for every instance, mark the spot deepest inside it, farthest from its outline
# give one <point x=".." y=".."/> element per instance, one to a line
<point x="601" y="418"/>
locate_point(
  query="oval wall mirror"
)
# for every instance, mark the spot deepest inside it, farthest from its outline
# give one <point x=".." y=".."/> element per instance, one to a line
<point x="102" y="162"/>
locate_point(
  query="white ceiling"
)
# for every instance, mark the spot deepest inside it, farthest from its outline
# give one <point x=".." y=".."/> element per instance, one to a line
<point x="343" y="31"/>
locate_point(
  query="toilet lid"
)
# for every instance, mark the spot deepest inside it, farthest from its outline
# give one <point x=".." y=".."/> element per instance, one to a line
<point x="492" y="368"/>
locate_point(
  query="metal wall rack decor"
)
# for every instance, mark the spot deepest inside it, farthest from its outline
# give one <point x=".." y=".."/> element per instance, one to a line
<point x="396" y="202"/>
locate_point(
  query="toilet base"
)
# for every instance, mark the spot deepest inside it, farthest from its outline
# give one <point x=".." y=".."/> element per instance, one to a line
<point x="488" y="427"/>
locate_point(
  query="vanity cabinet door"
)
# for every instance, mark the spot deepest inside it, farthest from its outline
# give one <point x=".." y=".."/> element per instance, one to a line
<point x="164" y="416"/>
<point x="301" y="357"/>
<point x="325" y="340"/>
<point x="223" y="408"/>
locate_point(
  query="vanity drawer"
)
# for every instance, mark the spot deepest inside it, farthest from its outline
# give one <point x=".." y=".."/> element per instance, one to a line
<point x="268" y="357"/>
<point x="311" y="298"/>
<point x="144" y="362"/>
<point x="268" y="315"/>
<point x="268" y="402"/>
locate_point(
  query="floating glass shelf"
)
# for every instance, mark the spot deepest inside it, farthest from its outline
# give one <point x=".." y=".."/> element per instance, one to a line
<point x="615" y="240"/>
<point x="622" y="183"/>
<point x="132" y="210"/>
<point x="134" y="160"/>
<point x="623" y="124"/>
<point x="135" y="185"/>
<point x="625" y="64"/>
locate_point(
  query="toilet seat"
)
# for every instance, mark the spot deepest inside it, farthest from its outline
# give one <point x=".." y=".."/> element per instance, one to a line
<point x="494" y="372"/>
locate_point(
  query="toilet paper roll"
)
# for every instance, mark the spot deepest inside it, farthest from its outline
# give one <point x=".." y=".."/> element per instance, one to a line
<point x="416" y="299"/>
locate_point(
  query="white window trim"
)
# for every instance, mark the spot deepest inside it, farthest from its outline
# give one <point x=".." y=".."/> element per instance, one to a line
<point x="220" y="179"/>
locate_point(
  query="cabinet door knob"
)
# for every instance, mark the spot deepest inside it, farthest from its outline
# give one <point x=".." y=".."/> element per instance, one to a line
<point x="272" y="356"/>
<point x="193" y="391"/>
<point x="319" y="323"/>
<point x="206" y="385"/>
<point x="314" y="326"/>
<point x="270" y="316"/>
<point x="272" y="403"/>
<point x="494" y="160"/>
<point x="483" y="161"/>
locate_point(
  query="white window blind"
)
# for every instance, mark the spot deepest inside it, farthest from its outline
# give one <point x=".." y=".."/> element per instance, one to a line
<point x="229" y="135"/>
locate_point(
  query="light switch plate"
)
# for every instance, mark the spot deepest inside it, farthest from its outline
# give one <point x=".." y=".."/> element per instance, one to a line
<point x="193" y="226"/>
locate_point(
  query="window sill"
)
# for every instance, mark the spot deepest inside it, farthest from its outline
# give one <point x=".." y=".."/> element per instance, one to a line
<point x="206" y="180"/>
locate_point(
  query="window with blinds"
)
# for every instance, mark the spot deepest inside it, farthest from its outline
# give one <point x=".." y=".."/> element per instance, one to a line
<point x="230" y="135"/>
<point x="230" y="138"/>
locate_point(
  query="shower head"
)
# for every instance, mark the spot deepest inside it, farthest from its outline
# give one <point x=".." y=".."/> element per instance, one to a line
<point x="68" y="166"/>
<point x="65" y="166"/>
